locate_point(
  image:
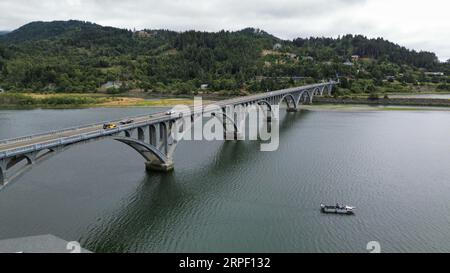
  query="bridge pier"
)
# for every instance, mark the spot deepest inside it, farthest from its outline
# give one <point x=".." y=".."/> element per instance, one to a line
<point x="159" y="167"/>
<point x="291" y="110"/>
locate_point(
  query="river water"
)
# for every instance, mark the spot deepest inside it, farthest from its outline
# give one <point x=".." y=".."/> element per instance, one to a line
<point x="421" y="96"/>
<point x="231" y="197"/>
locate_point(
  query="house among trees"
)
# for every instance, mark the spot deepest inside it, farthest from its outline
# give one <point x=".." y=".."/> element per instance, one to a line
<point x="307" y="58"/>
<point x="2" y="90"/>
<point x="142" y="34"/>
<point x="111" y="84"/>
<point x="204" y="86"/>
<point x="277" y="46"/>
<point x="434" y="73"/>
<point x="355" y="57"/>
<point x="348" y="63"/>
<point x="292" y="55"/>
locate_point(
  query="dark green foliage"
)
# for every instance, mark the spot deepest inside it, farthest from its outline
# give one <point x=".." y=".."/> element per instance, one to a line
<point x="445" y="87"/>
<point x="75" y="56"/>
<point x="373" y="48"/>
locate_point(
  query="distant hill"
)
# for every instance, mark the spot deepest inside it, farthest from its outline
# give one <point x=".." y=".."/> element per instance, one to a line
<point x="3" y="32"/>
<point x="82" y="56"/>
<point x="38" y="31"/>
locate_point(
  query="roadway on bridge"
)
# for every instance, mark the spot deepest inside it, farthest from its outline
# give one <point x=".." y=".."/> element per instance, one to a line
<point x="51" y="137"/>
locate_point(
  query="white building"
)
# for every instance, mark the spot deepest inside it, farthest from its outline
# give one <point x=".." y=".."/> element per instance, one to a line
<point x="204" y="86"/>
<point x="434" y="73"/>
<point x="2" y="90"/>
<point x="111" y="84"/>
<point x="348" y="63"/>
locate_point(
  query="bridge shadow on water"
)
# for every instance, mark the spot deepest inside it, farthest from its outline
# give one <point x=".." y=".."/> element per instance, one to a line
<point x="161" y="201"/>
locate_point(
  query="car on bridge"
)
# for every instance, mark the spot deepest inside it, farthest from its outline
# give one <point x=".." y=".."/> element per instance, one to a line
<point x="127" y="121"/>
<point x="107" y="126"/>
<point x="173" y="113"/>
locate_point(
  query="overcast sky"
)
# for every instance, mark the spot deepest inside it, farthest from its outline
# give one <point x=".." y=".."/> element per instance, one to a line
<point x="416" y="24"/>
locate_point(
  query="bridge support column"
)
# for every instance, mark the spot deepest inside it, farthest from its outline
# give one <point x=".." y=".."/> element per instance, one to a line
<point x="164" y="128"/>
<point x="141" y="134"/>
<point x="159" y="167"/>
<point x="3" y="176"/>
<point x="153" y="136"/>
<point x="230" y="131"/>
<point x="291" y="110"/>
<point x="330" y="89"/>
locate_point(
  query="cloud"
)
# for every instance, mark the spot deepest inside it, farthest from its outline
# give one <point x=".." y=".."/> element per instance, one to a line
<point x="412" y="23"/>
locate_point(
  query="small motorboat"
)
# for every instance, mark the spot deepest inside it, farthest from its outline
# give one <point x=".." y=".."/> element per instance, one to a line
<point x="337" y="209"/>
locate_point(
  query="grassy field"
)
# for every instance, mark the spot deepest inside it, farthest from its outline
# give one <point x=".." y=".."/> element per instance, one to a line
<point x="73" y="100"/>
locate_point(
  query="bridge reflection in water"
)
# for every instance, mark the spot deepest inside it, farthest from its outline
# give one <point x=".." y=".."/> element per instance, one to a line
<point x="150" y="208"/>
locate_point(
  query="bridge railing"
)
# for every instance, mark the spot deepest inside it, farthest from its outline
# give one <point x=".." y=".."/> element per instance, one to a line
<point x="59" y="131"/>
<point x="77" y="138"/>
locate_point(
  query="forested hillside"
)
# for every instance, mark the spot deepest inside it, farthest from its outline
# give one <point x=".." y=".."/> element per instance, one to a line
<point x="75" y="56"/>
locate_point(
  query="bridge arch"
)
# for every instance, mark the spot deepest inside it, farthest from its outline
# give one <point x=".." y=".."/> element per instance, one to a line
<point x="261" y="102"/>
<point x="44" y="153"/>
<point x="317" y="91"/>
<point x="149" y="152"/>
<point x="291" y="98"/>
<point x="8" y="165"/>
<point x="16" y="160"/>
<point x="305" y="96"/>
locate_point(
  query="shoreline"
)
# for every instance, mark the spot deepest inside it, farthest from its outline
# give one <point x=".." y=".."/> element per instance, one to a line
<point x="325" y="107"/>
<point x="369" y="108"/>
<point x="319" y="103"/>
<point x="392" y="102"/>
